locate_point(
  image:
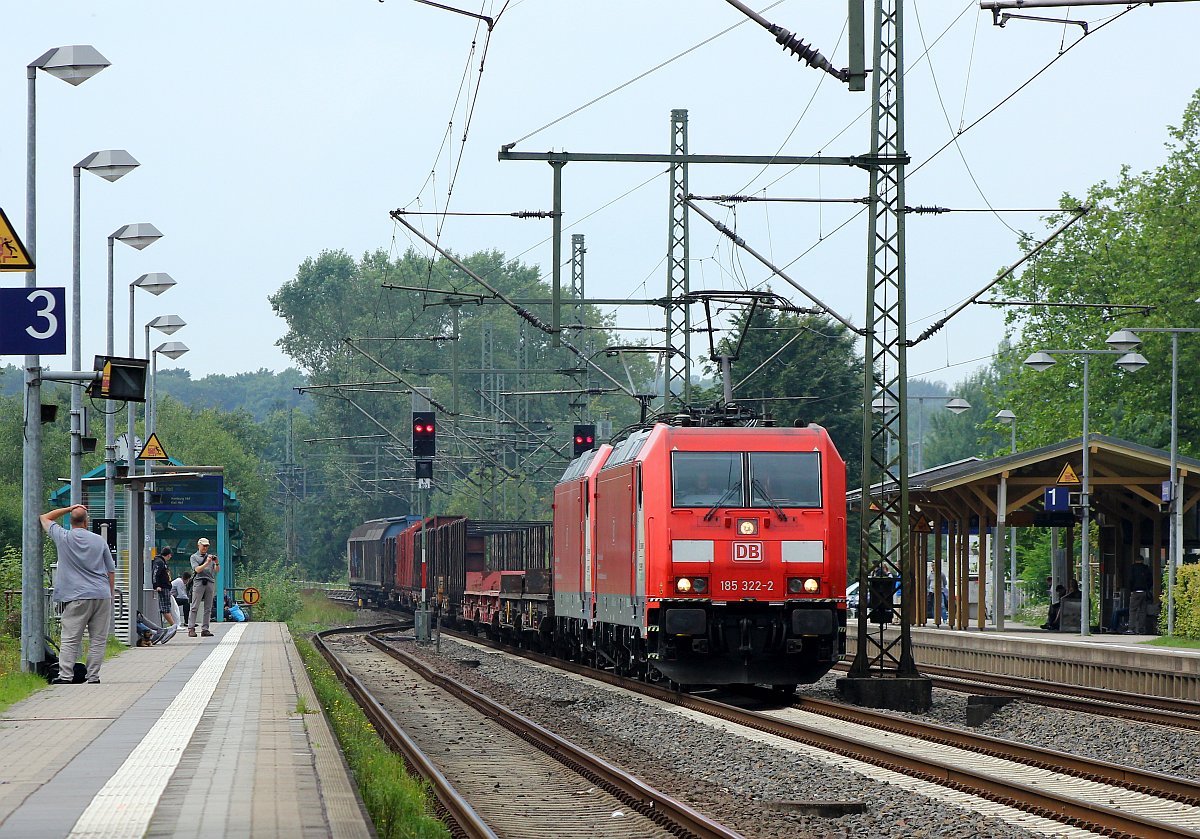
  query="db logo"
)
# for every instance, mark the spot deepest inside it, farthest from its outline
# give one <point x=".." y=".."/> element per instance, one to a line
<point x="747" y="552"/>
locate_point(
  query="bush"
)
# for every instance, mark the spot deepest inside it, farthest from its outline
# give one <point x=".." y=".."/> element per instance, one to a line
<point x="1187" y="603"/>
<point x="280" y="590"/>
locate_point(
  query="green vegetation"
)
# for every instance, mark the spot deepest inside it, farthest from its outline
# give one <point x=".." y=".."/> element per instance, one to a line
<point x="398" y="803"/>
<point x="1185" y="643"/>
<point x="280" y="592"/>
<point x="1187" y="605"/>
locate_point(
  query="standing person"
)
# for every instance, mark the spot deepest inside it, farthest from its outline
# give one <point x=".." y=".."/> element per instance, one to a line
<point x="181" y="591"/>
<point x="204" y="584"/>
<point x="1141" y="589"/>
<point x="84" y="585"/>
<point x="161" y="575"/>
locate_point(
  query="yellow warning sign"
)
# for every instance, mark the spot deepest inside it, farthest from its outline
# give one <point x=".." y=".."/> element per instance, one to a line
<point x="922" y="525"/>
<point x="13" y="256"/>
<point x="1067" y="475"/>
<point x="250" y="596"/>
<point x="153" y="450"/>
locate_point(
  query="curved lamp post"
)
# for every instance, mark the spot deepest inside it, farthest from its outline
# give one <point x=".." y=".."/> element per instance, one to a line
<point x="74" y="65"/>
<point x="1008" y="418"/>
<point x="1126" y="340"/>
<point x="137" y="236"/>
<point x="1130" y="362"/>
<point x="111" y="165"/>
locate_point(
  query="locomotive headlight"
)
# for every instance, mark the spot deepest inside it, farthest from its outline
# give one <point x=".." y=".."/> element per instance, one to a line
<point x="699" y="585"/>
<point x="683" y="585"/>
<point x="808" y="585"/>
<point x="747" y="527"/>
<point x="795" y="585"/>
<point x="812" y="585"/>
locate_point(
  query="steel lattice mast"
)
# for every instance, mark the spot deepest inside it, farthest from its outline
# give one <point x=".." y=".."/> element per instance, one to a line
<point x="885" y="449"/>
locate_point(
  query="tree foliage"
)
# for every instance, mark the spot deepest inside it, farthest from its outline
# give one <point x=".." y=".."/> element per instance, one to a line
<point x="1138" y="245"/>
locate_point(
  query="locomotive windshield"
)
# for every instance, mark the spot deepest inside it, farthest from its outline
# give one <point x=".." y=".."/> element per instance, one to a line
<point x="701" y="479"/>
<point x="785" y="479"/>
<point x="715" y="479"/>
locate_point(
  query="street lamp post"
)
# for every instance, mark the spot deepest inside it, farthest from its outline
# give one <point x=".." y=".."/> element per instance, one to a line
<point x="954" y="404"/>
<point x="1125" y="340"/>
<point x="111" y="165"/>
<point x="74" y="65"/>
<point x="155" y="283"/>
<point x="136" y="236"/>
<point x="1008" y="417"/>
<point x="1130" y="362"/>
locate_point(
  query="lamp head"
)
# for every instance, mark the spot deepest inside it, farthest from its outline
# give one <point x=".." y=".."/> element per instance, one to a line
<point x="155" y="283"/>
<point x="167" y="324"/>
<point x="111" y="164"/>
<point x="1040" y="361"/>
<point x="137" y="235"/>
<point x="1006" y="416"/>
<point x="1131" y="362"/>
<point x="74" y="65"/>
<point x="957" y="405"/>
<point x="883" y="403"/>
<point x="171" y="349"/>
<point x="1123" y="340"/>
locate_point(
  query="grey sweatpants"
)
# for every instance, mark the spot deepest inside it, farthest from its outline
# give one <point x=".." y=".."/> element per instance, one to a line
<point x="202" y="602"/>
<point x="96" y="617"/>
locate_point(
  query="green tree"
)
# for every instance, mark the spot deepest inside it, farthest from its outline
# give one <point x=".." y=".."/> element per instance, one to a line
<point x="1140" y="244"/>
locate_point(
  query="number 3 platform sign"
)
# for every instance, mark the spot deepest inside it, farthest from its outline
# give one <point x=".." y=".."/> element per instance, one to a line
<point x="32" y="321"/>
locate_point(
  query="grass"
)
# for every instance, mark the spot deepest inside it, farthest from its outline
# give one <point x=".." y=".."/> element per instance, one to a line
<point x="1175" y="641"/>
<point x="398" y="803"/>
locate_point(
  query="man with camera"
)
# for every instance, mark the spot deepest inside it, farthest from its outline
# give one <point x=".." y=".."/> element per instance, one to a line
<point x="204" y="584"/>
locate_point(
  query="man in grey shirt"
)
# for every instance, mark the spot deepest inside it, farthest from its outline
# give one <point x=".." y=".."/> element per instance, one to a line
<point x="84" y="585"/>
<point x="204" y="584"/>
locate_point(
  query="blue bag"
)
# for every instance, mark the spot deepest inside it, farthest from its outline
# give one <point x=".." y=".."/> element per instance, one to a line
<point x="235" y="612"/>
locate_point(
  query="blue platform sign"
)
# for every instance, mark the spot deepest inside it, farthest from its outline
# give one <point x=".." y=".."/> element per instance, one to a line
<point x="1056" y="499"/>
<point x="33" y="321"/>
<point x="198" y="495"/>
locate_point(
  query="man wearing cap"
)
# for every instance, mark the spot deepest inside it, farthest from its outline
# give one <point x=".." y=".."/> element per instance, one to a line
<point x="204" y="584"/>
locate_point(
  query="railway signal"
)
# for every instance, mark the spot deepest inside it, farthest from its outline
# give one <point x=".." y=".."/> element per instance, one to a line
<point x="424" y="434"/>
<point x="584" y="439"/>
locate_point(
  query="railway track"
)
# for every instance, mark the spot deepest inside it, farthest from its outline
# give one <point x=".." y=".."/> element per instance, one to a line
<point x="1180" y="713"/>
<point x="1084" y="794"/>
<point x="495" y="773"/>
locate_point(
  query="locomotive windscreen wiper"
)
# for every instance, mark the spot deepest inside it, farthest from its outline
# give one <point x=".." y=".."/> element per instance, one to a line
<point x="726" y="496"/>
<point x="775" y="505"/>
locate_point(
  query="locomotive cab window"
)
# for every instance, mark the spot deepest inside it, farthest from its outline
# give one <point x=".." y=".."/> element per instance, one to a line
<point x="706" y="479"/>
<point x="785" y="479"/>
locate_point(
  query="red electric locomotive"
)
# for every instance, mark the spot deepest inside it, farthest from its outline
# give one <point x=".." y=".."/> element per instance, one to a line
<point x="706" y="555"/>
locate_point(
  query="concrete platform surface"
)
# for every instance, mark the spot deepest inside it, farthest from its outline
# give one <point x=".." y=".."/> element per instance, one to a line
<point x="199" y="737"/>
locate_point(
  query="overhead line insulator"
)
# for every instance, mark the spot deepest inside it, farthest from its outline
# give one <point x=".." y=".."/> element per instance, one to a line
<point x="807" y="54"/>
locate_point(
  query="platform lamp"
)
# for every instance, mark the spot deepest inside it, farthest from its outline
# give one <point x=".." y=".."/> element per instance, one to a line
<point x="112" y="165"/>
<point x="156" y="284"/>
<point x="1125" y="340"/>
<point x="1130" y="362"/>
<point x="137" y="236"/>
<point x="74" y="65"/>
<point x="1010" y="419"/>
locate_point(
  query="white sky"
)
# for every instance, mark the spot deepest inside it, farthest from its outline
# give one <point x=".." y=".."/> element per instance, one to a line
<point x="269" y="130"/>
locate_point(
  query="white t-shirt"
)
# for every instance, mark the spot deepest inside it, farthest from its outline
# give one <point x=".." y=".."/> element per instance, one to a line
<point x="179" y="588"/>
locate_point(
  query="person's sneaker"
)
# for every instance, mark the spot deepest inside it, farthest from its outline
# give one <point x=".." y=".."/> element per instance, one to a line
<point x="158" y="636"/>
<point x="61" y="681"/>
<point x="191" y="632"/>
<point x="206" y="634"/>
<point x="168" y="633"/>
<point x="95" y="680"/>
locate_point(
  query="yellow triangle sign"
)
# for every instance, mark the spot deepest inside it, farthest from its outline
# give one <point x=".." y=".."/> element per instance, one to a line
<point x="153" y="450"/>
<point x="13" y="256"/>
<point x="1067" y="475"/>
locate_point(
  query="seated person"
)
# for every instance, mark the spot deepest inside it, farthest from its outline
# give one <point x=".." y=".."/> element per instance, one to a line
<point x="1119" y="616"/>
<point x="1055" y="608"/>
<point x="150" y="633"/>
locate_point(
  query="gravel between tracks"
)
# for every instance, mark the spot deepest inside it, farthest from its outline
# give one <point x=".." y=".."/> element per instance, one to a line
<point x="745" y="784"/>
<point x="1157" y="748"/>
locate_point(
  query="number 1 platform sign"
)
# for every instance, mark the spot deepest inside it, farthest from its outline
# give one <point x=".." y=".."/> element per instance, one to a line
<point x="32" y="321"/>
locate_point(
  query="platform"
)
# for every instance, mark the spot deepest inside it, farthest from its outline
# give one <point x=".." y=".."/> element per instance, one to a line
<point x="199" y="737"/>
<point x="1114" y="662"/>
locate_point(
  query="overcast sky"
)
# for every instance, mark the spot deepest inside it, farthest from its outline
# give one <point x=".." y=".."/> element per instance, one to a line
<point x="269" y="131"/>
